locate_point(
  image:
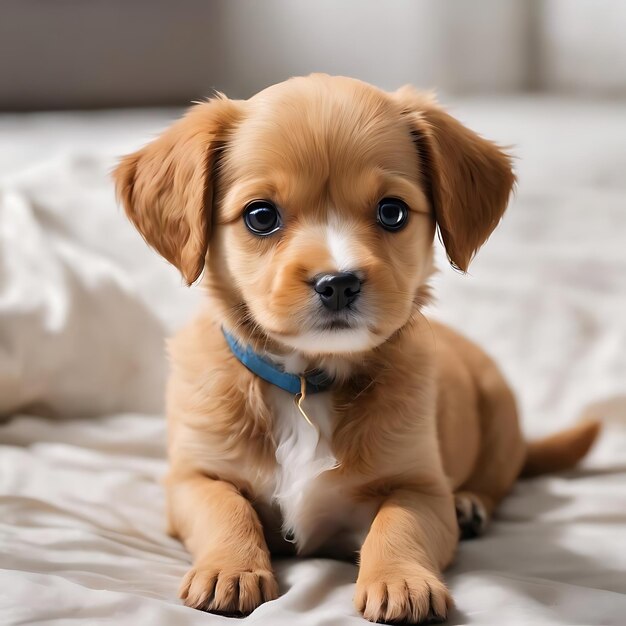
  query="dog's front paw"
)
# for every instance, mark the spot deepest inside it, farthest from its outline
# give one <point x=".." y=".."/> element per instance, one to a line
<point x="402" y="593"/>
<point x="236" y="591"/>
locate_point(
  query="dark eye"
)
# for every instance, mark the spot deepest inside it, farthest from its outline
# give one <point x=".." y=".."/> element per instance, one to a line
<point x="392" y="214"/>
<point x="261" y="217"/>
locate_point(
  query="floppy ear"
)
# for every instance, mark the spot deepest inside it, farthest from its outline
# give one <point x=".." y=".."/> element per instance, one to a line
<point x="469" y="178"/>
<point x="166" y="187"/>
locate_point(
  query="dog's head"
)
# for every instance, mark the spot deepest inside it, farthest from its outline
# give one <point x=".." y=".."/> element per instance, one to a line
<point x="313" y="205"/>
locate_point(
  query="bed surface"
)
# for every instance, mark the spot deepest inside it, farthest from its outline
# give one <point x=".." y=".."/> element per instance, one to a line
<point x="85" y="307"/>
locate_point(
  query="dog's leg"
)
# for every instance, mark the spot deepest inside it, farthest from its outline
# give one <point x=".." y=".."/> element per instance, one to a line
<point x="412" y="538"/>
<point x="500" y="458"/>
<point x="232" y="572"/>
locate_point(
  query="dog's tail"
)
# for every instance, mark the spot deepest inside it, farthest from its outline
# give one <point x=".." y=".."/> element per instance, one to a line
<point x="562" y="450"/>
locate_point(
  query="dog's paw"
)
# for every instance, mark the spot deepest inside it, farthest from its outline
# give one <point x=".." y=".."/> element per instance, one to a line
<point x="235" y="591"/>
<point x="470" y="514"/>
<point x="405" y="593"/>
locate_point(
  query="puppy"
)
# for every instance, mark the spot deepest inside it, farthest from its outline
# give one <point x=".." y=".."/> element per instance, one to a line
<point x="312" y="409"/>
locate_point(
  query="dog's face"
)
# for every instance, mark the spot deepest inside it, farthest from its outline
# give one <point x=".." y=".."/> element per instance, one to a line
<point x="318" y="201"/>
<point x="322" y="221"/>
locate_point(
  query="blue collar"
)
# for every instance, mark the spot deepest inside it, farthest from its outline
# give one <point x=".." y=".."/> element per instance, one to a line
<point x="316" y="380"/>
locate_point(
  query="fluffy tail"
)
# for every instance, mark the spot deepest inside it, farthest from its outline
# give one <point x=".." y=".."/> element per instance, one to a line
<point x="560" y="451"/>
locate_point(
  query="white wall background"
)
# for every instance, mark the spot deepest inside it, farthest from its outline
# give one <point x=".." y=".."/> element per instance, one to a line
<point x="430" y="43"/>
<point x="79" y="53"/>
<point x="583" y="46"/>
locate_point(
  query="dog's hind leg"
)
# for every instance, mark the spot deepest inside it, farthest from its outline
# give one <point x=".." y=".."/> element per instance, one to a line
<point x="500" y="459"/>
<point x="473" y="512"/>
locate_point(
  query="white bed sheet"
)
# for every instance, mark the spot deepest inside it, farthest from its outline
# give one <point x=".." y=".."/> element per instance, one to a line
<point x="84" y="308"/>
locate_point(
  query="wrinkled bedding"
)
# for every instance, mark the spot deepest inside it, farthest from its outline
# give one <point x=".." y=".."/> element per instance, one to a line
<point x="85" y="308"/>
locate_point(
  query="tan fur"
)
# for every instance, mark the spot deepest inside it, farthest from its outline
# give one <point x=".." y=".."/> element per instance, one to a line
<point x="469" y="186"/>
<point x="166" y="186"/>
<point x="560" y="451"/>
<point x="417" y="412"/>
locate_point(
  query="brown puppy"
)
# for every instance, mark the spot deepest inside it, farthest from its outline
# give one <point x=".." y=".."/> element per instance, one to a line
<point x="311" y="209"/>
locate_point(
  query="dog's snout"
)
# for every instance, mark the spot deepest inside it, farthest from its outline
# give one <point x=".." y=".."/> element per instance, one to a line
<point x="337" y="291"/>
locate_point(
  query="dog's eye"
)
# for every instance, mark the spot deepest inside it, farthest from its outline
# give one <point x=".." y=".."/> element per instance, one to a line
<point x="261" y="217"/>
<point x="392" y="214"/>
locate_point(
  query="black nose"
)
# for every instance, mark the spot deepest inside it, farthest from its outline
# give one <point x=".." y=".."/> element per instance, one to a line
<point x="337" y="291"/>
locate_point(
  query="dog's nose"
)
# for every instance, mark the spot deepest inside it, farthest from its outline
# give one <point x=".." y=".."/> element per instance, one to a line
<point x="337" y="291"/>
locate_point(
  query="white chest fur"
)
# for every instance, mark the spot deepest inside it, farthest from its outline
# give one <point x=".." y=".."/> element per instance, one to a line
<point x="316" y="508"/>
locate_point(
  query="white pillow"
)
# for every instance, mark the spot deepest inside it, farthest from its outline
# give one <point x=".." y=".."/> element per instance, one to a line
<point x="84" y="304"/>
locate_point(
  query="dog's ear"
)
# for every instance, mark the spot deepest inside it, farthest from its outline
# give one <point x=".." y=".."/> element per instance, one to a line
<point x="166" y="187"/>
<point x="469" y="179"/>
